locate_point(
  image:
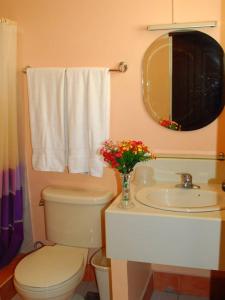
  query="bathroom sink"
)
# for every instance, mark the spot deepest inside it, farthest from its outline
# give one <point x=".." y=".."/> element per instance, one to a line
<point x="181" y="200"/>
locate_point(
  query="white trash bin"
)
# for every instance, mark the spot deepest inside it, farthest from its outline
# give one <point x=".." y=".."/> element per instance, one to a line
<point x="102" y="270"/>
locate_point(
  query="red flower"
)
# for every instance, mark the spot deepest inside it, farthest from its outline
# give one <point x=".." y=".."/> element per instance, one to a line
<point x="124" y="155"/>
<point x="118" y="154"/>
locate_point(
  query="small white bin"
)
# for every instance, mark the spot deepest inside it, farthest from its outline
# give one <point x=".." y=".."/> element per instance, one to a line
<point x="102" y="270"/>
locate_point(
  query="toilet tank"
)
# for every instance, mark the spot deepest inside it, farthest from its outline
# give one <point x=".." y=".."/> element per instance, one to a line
<point x="73" y="216"/>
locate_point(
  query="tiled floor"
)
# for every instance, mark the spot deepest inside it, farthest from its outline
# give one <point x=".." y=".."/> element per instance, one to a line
<point x="7" y="272"/>
<point x="170" y="296"/>
<point x="85" y="287"/>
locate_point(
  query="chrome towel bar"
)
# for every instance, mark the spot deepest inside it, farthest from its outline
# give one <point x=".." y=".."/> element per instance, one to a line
<point x="122" y="67"/>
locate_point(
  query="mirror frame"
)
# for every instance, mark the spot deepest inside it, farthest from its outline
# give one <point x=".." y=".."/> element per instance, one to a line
<point x="204" y="82"/>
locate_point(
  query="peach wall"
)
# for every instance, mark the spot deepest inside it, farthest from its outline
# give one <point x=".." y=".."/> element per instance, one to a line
<point x="102" y="33"/>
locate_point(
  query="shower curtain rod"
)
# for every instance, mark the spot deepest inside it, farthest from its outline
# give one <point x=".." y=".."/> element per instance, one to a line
<point x="122" y="67"/>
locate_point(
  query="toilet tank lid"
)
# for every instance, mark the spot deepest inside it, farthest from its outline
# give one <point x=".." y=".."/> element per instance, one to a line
<point x="76" y="195"/>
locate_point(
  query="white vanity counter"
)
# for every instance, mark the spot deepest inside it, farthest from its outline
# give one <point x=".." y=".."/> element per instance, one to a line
<point x="151" y="235"/>
<point x="146" y="234"/>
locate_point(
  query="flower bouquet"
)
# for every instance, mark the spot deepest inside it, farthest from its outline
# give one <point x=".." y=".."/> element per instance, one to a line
<point x="123" y="156"/>
<point x="170" y="124"/>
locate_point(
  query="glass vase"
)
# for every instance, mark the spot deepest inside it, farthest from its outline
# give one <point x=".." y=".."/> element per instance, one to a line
<point x="125" y="201"/>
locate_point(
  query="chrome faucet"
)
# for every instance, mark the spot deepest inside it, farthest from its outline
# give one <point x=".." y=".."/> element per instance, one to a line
<point x="187" y="182"/>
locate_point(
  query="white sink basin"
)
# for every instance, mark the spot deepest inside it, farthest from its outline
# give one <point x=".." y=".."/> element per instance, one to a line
<point x="182" y="200"/>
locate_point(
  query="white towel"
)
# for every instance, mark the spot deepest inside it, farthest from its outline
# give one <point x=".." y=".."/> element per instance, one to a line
<point x="46" y="105"/>
<point x="88" y="101"/>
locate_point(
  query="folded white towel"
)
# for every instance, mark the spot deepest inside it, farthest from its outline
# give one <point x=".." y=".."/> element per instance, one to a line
<point x="46" y="105"/>
<point x="88" y="95"/>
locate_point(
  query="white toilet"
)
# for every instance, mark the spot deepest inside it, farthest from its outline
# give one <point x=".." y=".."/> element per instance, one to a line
<point x="73" y="222"/>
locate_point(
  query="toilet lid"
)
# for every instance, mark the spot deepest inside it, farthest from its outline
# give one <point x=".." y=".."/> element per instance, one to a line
<point x="50" y="265"/>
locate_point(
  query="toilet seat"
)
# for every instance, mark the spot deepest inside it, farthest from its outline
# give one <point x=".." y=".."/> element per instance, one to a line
<point x="54" y="292"/>
<point x="55" y="268"/>
<point x="50" y="265"/>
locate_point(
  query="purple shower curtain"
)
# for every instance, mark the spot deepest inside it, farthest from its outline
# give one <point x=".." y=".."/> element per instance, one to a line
<point x="11" y="209"/>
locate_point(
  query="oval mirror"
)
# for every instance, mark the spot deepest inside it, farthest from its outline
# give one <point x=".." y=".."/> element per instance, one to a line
<point x="183" y="80"/>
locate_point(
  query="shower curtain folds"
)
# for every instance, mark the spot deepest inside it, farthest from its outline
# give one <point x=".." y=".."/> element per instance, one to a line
<point x="11" y="205"/>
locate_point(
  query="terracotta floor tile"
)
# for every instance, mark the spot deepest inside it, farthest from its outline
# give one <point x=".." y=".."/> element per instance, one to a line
<point x="193" y="285"/>
<point x="7" y="272"/>
<point x="7" y="290"/>
<point x="149" y="290"/>
<point x="166" y="281"/>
